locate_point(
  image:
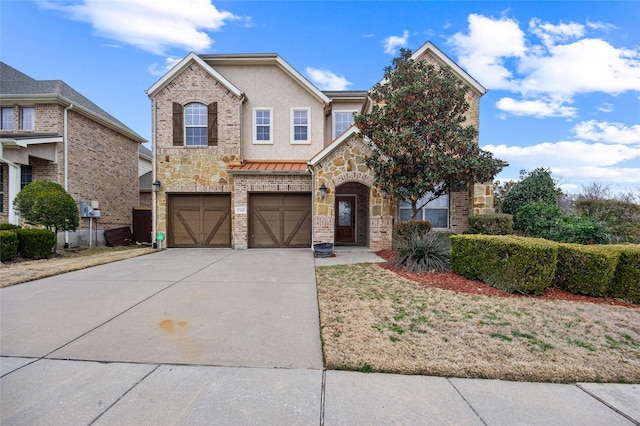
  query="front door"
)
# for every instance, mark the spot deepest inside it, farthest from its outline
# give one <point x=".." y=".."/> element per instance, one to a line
<point x="346" y="219"/>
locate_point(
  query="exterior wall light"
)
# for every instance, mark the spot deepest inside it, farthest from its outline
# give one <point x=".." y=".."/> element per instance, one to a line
<point x="156" y="186"/>
<point x="323" y="191"/>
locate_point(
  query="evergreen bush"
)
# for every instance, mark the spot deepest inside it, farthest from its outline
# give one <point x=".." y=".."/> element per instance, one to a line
<point x="587" y="270"/>
<point x="35" y="243"/>
<point x="626" y="280"/>
<point x="420" y="252"/>
<point x="491" y="224"/>
<point x="537" y="186"/>
<point x="412" y="226"/>
<point x="8" y="244"/>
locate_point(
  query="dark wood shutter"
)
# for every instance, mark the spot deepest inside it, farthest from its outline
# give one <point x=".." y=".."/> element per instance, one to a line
<point x="212" y="124"/>
<point x="178" y="124"/>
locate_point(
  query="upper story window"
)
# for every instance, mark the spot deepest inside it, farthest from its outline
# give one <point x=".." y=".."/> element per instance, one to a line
<point x="300" y="125"/>
<point x="195" y="124"/>
<point x="28" y="118"/>
<point x="7" y="118"/>
<point x="263" y="125"/>
<point x="341" y="122"/>
<point x="436" y="211"/>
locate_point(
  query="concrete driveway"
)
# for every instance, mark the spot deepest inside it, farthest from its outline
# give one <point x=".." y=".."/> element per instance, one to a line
<point x="199" y="336"/>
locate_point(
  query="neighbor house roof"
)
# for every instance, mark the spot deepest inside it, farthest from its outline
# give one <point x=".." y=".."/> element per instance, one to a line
<point x="17" y="86"/>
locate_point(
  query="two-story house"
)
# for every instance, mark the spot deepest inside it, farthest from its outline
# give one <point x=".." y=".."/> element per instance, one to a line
<point x="51" y="131"/>
<point x="248" y="153"/>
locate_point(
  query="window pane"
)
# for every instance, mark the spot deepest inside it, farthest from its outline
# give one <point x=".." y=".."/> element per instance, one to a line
<point x="28" y="122"/>
<point x="7" y="118"/>
<point x="26" y="176"/>
<point x="300" y="133"/>
<point x="342" y="121"/>
<point x="195" y="115"/>
<point x="262" y="133"/>
<point x="196" y="136"/>
<point x="438" y="217"/>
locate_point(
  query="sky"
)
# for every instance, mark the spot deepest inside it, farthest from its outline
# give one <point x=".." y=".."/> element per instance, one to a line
<point x="563" y="78"/>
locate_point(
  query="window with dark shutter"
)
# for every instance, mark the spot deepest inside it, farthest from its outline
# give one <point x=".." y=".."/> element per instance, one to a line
<point x="178" y="125"/>
<point x="212" y="124"/>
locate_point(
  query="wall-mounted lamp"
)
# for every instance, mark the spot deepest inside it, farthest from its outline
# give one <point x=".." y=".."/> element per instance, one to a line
<point x="384" y="194"/>
<point x="323" y="191"/>
<point x="156" y="186"/>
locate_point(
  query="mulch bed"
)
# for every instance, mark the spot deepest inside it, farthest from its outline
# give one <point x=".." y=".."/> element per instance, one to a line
<point x="454" y="282"/>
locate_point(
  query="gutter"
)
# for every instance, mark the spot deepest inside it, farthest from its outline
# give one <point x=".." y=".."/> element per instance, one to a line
<point x="65" y="141"/>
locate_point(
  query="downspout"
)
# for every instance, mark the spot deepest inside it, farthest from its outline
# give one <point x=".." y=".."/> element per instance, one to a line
<point x="241" y="102"/>
<point x="66" y="164"/>
<point x="154" y="177"/>
<point x="313" y="205"/>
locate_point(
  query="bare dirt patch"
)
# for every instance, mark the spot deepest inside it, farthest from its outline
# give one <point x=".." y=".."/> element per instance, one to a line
<point x="373" y="319"/>
<point x="21" y="271"/>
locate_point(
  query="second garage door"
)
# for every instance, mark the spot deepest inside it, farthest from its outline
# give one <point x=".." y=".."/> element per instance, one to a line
<point x="280" y="220"/>
<point x="199" y="220"/>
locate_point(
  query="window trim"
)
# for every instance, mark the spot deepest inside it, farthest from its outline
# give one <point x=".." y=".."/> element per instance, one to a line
<point x="255" y="111"/>
<point x="292" y="128"/>
<point x="2" y="122"/>
<point x="425" y="208"/>
<point x="199" y="126"/>
<point x="32" y="115"/>
<point x="333" y="121"/>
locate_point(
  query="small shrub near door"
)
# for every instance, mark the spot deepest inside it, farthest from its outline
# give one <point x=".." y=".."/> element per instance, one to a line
<point x="423" y="252"/>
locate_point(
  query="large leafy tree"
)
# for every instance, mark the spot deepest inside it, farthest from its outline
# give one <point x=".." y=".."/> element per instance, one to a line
<point x="46" y="203"/>
<point x="421" y="143"/>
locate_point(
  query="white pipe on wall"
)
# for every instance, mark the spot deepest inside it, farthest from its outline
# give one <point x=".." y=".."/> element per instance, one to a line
<point x="66" y="165"/>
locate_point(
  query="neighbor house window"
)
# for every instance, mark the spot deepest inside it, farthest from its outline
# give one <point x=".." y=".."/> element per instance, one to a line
<point x="7" y="118"/>
<point x="436" y="211"/>
<point x="262" y="125"/>
<point x="300" y="125"/>
<point x="195" y="124"/>
<point x="26" y="176"/>
<point x="341" y="122"/>
<point x="28" y="118"/>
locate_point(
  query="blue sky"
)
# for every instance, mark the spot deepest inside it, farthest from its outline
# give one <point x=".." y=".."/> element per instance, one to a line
<point x="563" y="77"/>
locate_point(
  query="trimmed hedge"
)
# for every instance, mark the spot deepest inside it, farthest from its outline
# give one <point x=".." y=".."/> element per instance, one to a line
<point x="412" y="226"/>
<point x="491" y="224"/>
<point x="35" y="243"/>
<point x="8" y="227"/>
<point x="586" y="270"/>
<point x="8" y="245"/>
<point x="530" y="265"/>
<point x="510" y="263"/>
<point x="626" y="280"/>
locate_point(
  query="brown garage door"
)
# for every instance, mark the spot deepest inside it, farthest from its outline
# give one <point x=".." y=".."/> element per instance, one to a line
<point x="280" y="220"/>
<point x="199" y="221"/>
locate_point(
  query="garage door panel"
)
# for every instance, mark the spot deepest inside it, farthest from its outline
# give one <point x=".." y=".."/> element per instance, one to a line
<point x="280" y="220"/>
<point x="199" y="220"/>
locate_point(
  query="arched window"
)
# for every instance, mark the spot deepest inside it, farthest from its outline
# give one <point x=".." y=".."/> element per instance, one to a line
<point x="195" y="124"/>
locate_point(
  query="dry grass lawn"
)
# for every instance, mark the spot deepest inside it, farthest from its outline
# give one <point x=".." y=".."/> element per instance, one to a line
<point x="12" y="273"/>
<point x="374" y="320"/>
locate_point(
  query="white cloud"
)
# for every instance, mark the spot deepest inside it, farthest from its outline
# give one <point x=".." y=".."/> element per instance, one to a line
<point x="151" y="25"/>
<point x="606" y="132"/>
<point x="578" y="162"/>
<point x="606" y="107"/>
<point x="601" y="26"/>
<point x="559" y="62"/>
<point x="537" y="108"/>
<point x="393" y="42"/>
<point x="326" y="80"/>
<point x="162" y="69"/>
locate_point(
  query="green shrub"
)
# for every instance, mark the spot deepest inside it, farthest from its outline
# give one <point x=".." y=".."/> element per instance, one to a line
<point x="510" y="263"/>
<point x="419" y="252"/>
<point x="587" y="270"/>
<point x="621" y="218"/>
<point x="8" y="227"/>
<point x="8" y="245"/>
<point x="410" y="226"/>
<point x="35" y="243"/>
<point x="580" y="230"/>
<point x="626" y="280"/>
<point x="537" y="186"/>
<point x="537" y="218"/>
<point x="491" y="224"/>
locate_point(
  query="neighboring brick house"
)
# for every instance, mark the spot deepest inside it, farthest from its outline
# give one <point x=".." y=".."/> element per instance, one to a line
<point x="249" y="153"/>
<point x="144" y="176"/>
<point x="50" y="131"/>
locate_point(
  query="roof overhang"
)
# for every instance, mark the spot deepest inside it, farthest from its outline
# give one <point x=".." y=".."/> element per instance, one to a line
<point x="269" y="167"/>
<point x="181" y="66"/>
<point x="18" y="148"/>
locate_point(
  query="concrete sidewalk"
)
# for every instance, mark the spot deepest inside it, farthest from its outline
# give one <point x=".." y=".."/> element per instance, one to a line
<point x="199" y="336"/>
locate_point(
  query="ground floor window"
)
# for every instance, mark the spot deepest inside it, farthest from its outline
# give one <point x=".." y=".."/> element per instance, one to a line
<point x="436" y="211"/>
<point x="26" y="176"/>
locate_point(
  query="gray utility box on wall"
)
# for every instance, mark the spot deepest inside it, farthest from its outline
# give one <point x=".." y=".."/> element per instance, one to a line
<point x="89" y="209"/>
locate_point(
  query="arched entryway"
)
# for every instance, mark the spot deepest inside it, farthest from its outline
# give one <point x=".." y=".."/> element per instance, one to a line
<point x="352" y="214"/>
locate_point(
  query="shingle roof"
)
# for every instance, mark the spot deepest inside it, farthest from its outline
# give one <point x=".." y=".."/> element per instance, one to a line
<point x="15" y="84"/>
